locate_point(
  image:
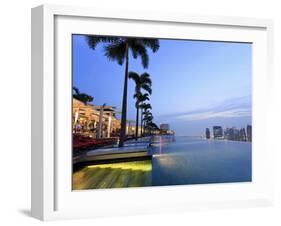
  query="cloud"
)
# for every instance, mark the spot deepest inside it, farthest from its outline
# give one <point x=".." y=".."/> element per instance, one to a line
<point x="231" y="108"/>
<point x="212" y="114"/>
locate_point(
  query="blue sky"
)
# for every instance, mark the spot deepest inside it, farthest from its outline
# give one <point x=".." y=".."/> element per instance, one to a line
<point x="196" y="84"/>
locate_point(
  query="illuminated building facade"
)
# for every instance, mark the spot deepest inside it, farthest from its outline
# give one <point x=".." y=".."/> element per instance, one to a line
<point x="94" y="121"/>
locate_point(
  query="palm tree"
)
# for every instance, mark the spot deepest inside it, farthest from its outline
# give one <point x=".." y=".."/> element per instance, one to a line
<point x="144" y="107"/>
<point x="148" y="117"/>
<point x="140" y="98"/>
<point x="142" y="81"/>
<point x="85" y="98"/>
<point x="118" y="49"/>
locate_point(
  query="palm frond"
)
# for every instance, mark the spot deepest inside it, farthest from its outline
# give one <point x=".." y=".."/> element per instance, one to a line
<point x="143" y="98"/>
<point x="75" y="90"/>
<point x="148" y="118"/>
<point x="136" y="95"/>
<point x="153" y="125"/>
<point x="116" y="52"/>
<point x="145" y="95"/>
<point x="147" y="114"/>
<point x="139" y="50"/>
<point x="135" y="76"/>
<point x="85" y="98"/>
<point x="151" y="43"/>
<point x="145" y="78"/>
<point x="94" y="40"/>
<point x="147" y="88"/>
<point x="145" y="106"/>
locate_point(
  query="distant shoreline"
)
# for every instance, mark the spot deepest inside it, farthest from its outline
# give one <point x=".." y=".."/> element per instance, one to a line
<point x="204" y="138"/>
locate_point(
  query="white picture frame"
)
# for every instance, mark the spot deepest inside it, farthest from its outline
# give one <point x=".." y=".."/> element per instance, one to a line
<point x="51" y="197"/>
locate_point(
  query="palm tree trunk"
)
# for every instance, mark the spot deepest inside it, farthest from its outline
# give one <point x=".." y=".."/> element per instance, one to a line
<point x="137" y="124"/>
<point x="141" y="124"/>
<point x="124" y="102"/>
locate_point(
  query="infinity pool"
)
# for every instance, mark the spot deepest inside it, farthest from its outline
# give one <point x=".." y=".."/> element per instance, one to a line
<point x="195" y="161"/>
<point x="175" y="161"/>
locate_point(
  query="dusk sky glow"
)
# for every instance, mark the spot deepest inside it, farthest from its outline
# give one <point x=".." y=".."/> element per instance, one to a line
<point x="195" y="84"/>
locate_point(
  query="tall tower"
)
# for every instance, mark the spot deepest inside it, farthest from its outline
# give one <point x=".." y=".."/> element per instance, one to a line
<point x="249" y="133"/>
<point x="208" y="134"/>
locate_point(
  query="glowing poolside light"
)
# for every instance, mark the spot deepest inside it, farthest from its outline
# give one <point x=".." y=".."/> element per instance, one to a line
<point x="137" y="165"/>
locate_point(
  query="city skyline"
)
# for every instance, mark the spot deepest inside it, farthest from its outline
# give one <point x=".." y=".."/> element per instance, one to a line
<point x="196" y="84"/>
<point x="230" y="133"/>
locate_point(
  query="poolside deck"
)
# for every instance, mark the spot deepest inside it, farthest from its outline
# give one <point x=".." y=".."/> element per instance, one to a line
<point x="132" y="151"/>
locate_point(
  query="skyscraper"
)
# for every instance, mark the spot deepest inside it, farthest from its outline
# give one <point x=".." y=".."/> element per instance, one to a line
<point x="218" y="132"/>
<point x="208" y="134"/>
<point x="229" y="134"/>
<point x="249" y="133"/>
<point x="243" y="136"/>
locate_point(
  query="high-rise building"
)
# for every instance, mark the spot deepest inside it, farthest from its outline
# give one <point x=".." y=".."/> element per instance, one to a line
<point x="218" y="132"/>
<point x="249" y="133"/>
<point x="235" y="134"/>
<point x="229" y="134"/>
<point x="232" y="133"/>
<point x="243" y="136"/>
<point x="208" y="134"/>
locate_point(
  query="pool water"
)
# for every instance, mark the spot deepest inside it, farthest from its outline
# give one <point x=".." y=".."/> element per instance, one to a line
<point x="175" y="161"/>
<point x="195" y="161"/>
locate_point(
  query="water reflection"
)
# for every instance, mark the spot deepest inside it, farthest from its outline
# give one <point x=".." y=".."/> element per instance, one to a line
<point x="190" y="160"/>
<point x="158" y="143"/>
